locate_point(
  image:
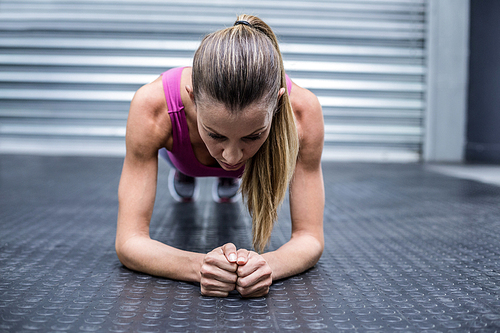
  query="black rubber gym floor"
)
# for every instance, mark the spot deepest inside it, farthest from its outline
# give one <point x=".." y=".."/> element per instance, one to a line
<point x="406" y="250"/>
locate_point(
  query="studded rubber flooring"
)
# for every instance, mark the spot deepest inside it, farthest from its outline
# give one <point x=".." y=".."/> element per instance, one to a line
<point x="406" y="250"/>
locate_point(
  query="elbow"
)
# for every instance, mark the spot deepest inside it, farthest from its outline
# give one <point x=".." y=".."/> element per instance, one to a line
<point x="317" y="251"/>
<point x="123" y="253"/>
<point x="120" y="252"/>
<point x="315" y="246"/>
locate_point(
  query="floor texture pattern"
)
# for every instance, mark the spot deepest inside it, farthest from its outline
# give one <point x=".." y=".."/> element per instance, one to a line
<point x="407" y="250"/>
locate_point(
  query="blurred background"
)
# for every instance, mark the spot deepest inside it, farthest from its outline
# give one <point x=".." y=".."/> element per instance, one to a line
<point x="399" y="80"/>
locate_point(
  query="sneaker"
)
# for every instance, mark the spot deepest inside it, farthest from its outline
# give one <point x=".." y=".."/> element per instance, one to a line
<point x="183" y="188"/>
<point x="226" y="190"/>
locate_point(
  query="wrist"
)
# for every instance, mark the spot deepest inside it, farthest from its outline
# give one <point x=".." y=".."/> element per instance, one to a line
<point x="269" y="257"/>
<point x="196" y="261"/>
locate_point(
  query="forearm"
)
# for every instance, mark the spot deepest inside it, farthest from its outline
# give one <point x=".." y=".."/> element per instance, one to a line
<point x="307" y="204"/>
<point x="297" y="255"/>
<point x="149" y="256"/>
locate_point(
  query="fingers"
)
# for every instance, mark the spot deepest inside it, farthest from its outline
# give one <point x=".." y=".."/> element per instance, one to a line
<point x="254" y="291"/>
<point x="226" y="269"/>
<point x="253" y="263"/>
<point x="255" y="285"/>
<point x="213" y="293"/>
<point x="211" y="272"/>
<point x="263" y="274"/>
<point x="218" y="275"/>
<point x="211" y="286"/>
<point x="229" y="250"/>
<point x="242" y="257"/>
<point x="218" y="258"/>
<point x="255" y="277"/>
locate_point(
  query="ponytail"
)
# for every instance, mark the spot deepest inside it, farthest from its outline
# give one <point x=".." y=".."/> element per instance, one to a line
<point x="238" y="66"/>
<point x="268" y="173"/>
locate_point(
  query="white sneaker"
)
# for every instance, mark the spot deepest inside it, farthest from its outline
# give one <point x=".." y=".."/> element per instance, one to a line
<point x="183" y="188"/>
<point x="226" y="190"/>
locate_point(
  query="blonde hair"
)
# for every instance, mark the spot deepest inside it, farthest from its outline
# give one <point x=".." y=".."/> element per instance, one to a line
<point x="238" y="66"/>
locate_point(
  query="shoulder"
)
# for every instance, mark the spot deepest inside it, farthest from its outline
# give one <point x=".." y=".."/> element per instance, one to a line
<point x="310" y="124"/>
<point x="148" y="126"/>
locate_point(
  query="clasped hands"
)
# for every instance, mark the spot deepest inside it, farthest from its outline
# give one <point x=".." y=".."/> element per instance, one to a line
<point x="225" y="269"/>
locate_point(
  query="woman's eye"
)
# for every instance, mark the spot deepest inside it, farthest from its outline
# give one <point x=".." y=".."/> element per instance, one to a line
<point x="253" y="138"/>
<point x="215" y="136"/>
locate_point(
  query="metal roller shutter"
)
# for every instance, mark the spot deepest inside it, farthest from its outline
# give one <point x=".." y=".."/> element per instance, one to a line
<point x="68" y="69"/>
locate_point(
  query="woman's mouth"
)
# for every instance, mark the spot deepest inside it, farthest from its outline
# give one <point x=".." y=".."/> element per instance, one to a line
<point x="231" y="167"/>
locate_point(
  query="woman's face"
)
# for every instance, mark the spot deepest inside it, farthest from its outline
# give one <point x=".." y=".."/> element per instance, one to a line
<point x="233" y="138"/>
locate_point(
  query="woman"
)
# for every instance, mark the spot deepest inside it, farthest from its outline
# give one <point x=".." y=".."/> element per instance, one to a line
<point x="238" y="116"/>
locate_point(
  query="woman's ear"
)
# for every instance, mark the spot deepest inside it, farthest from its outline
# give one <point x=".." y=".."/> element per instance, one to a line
<point x="281" y="92"/>
<point x="190" y="92"/>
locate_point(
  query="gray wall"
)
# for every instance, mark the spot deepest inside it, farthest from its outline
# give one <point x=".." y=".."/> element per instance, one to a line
<point x="483" y="127"/>
<point x="446" y="98"/>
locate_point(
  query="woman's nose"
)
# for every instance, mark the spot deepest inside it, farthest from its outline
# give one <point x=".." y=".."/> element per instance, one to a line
<point x="232" y="155"/>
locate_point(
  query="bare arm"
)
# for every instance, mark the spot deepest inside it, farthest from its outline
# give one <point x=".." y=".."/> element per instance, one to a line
<point x="148" y="129"/>
<point x="307" y="198"/>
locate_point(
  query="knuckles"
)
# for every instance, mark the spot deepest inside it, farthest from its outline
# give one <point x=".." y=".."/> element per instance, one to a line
<point x="211" y="258"/>
<point x="210" y="284"/>
<point x="208" y="274"/>
<point x="257" y="286"/>
<point x="267" y="272"/>
<point x="264" y="280"/>
<point x="253" y="293"/>
<point x="257" y="259"/>
<point x="214" y="293"/>
<point x="205" y="271"/>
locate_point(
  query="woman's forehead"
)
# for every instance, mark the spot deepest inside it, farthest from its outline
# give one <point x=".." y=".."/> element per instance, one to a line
<point x="254" y="111"/>
<point x="220" y="119"/>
